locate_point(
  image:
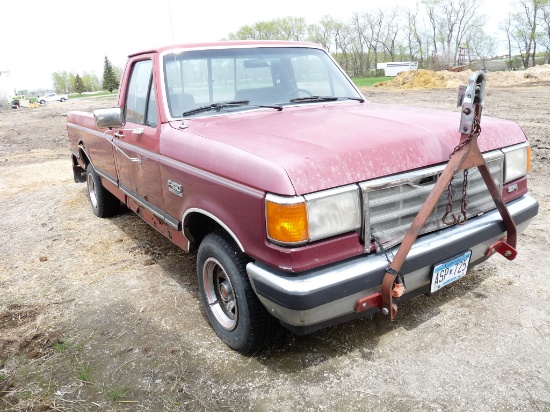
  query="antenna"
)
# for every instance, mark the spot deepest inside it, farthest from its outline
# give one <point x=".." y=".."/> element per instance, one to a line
<point x="171" y="24"/>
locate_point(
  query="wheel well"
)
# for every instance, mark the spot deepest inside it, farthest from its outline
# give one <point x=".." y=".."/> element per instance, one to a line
<point x="83" y="155"/>
<point x="197" y="225"/>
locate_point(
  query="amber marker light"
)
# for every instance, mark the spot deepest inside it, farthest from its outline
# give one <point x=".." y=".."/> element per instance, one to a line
<point x="528" y="159"/>
<point x="286" y="220"/>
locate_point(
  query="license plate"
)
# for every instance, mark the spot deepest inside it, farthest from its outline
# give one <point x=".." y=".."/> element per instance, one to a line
<point x="450" y="271"/>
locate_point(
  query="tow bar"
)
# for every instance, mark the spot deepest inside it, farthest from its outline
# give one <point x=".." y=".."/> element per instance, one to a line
<point x="464" y="156"/>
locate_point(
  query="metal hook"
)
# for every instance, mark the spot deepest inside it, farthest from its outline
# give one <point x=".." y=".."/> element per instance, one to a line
<point x="452" y="222"/>
<point x="461" y="219"/>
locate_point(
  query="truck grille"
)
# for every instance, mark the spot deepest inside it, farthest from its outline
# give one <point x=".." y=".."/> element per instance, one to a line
<point x="392" y="203"/>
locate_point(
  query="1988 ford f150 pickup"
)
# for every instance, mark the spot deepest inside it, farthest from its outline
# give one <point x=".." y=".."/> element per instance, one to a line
<point x="294" y="191"/>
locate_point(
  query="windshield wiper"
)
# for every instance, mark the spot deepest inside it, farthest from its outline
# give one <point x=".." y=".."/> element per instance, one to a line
<point x="323" y="99"/>
<point x="359" y="99"/>
<point x="216" y="106"/>
<point x="314" y="99"/>
<point x="223" y="105"/>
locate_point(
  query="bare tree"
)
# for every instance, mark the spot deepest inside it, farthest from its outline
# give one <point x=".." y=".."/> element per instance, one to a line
<point x="545" y="32"/>
<point x="480" y="45"/>
<point x="361" y="52"/>
<point x="415" y="39"/>
<point x="525" y="28"/>
<point x="389" y="32"/>
<point x="506" y="27"/>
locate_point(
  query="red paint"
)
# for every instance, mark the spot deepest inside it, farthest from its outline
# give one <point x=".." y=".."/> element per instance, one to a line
<point x="227" y="162"/>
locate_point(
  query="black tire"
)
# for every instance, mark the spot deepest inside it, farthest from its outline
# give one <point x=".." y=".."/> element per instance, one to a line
<point x="103" y="202"/>
<point x="42" y="101"/>
<point x="62" y="99"/>
<point x="235" y="312"/>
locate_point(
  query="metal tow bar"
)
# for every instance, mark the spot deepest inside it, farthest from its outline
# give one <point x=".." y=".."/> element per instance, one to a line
<point x="464" y="156"/>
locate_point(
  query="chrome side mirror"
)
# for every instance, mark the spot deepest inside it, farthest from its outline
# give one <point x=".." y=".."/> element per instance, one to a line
<point x="113" y="117"/>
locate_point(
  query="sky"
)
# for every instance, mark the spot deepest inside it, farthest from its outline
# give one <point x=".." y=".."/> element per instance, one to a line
<point x="40" y="37"/>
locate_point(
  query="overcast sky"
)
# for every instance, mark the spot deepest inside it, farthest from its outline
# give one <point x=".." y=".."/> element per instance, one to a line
<point x="40" y="37"/>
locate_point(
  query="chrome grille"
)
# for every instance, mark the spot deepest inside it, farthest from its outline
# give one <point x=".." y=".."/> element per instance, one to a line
<point x="390" y="204"/>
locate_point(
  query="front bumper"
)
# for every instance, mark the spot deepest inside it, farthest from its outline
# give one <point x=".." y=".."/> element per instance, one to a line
<point x="311" y="300"/>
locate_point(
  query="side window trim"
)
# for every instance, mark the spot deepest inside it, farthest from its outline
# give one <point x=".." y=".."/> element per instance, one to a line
<point x="150" y="88"/>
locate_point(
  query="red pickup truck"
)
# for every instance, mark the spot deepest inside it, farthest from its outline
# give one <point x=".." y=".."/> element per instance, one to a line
<point x="266" y="160"/>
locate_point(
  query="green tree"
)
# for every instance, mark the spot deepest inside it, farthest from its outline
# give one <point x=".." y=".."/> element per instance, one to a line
<point x="61" y="82"/>
<point x="78" y="84"/>
<point x="110" y="81"/>
<point x="91" y="82"/>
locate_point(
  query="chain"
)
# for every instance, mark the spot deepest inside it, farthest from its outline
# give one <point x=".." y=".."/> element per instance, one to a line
<point x="462" y="218"/>
<point x="476" y="130"/>
<point x="449" y="206"/>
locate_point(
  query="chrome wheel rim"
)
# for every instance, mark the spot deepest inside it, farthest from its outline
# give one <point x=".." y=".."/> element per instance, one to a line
<point x="220" y="294"/>
<point x="91" y="190"/>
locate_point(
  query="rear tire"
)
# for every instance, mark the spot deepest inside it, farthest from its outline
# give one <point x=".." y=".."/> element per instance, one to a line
<point x="235" y="312"/>
<point x="104" y="203"/>
<point x="62" y="99"/>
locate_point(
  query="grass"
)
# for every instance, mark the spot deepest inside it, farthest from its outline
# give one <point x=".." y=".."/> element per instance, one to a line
<point x="60" y="346"/>
<point x="98" y="94"/>
<point x="2" y="377"/>
<point x="84" y="372"/>
<point x="369" y="81"/>
<point x="117" y="392"/>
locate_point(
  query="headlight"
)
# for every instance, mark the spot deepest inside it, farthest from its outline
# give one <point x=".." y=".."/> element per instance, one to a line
<point x="299" y="219"/>
<point x="517" y="161"/>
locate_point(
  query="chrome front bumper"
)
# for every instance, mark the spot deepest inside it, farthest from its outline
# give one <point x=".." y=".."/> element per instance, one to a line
<point x="315" y="299"/>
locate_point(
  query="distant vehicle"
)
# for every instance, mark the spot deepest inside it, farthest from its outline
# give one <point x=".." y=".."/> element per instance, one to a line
<point x="52" y="97"/>
<point x="19" y="101"/>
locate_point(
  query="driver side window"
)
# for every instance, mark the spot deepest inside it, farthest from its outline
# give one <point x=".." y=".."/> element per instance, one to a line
<point x="141" y="105"/>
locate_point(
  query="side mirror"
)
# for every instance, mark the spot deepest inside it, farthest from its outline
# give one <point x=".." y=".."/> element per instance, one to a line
<point x="109" y="117"/>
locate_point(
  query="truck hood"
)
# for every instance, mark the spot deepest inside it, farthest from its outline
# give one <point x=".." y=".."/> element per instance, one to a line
<point x="324" y="146"/>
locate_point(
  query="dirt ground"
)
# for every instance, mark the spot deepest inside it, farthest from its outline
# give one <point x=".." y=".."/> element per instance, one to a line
<point x="104" y="314"/>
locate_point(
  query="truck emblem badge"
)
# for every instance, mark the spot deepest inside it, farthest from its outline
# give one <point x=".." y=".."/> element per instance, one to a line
<point x="175" y="188"/>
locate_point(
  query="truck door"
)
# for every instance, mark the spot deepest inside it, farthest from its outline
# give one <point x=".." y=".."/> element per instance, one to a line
<point x="137" y="158"/>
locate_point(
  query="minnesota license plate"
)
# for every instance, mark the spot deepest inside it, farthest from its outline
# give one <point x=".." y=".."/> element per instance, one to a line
<point x="450" y="271"/>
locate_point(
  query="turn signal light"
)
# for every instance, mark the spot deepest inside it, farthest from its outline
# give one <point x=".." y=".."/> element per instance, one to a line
<point x="287" y="223"/>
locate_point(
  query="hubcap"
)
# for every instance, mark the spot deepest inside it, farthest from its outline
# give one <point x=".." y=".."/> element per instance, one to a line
<point x="91" y="190"/>
<point x="219" y="294"/>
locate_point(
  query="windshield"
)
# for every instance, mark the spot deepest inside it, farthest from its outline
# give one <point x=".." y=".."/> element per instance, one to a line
<point x="262" y="76"/>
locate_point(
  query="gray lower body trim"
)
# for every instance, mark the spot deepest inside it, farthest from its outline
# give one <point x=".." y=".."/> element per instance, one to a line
<point x="316" y="298"/>
<point x="106" y="176"/>
<point x="159" y="213"/>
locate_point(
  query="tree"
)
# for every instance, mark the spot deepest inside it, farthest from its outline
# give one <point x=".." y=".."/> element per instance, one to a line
<point x="481" y="45"/>
<point x="287" y="28"/>
<point x="91" y="82"/>
<point x="110" y="81"/>
<point x="61" y="82"/>
<point x="78" y="84"/>
<point x="525" y="28"/>
<point x="545" y="33"/>
<point x="506" y="27"/>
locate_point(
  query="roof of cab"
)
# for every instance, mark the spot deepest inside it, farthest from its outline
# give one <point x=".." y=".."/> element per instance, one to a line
<point x="228" y="44"/>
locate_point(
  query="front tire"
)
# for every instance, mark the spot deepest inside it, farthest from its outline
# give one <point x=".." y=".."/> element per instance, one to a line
<point x="103" y="202"/>
<point x="233" y="309"/>
<point x="62" y="99"/>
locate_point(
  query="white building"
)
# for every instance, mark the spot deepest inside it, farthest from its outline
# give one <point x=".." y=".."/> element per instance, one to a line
<point x="394" y="68"/>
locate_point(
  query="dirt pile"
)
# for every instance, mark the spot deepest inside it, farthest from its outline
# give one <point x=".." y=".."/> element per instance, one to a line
<point x="429" y="79"/>
<point x="415" y="79"/>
